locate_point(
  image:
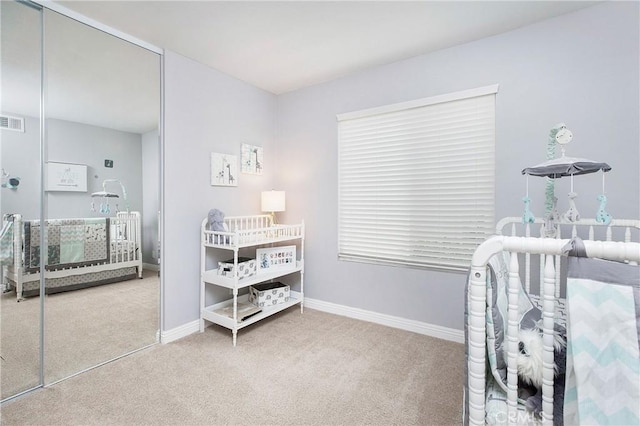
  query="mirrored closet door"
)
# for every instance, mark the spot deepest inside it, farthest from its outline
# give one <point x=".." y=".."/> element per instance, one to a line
<point x="97" y="149"/>
<point x="20" y="195"/>
<point x="102" y="112"/>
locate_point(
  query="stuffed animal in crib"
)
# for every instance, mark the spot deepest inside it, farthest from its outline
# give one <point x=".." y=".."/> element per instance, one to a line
<point x="530" y="349"/>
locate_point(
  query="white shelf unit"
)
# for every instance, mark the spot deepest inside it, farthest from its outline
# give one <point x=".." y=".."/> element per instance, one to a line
<point x="246" y="232"/>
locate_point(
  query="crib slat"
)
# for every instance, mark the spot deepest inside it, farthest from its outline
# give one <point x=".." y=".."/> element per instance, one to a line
<point x="543" y="259"/>
<point x="18" y="259"/>
<point x="558" y="270"/>
<point x="548" y="316"/>
<point x="559" y="264"/>
<point x="512" y="337"/>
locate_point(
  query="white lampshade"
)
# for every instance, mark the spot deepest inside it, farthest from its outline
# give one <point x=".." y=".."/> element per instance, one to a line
<point x="273" y="201"/>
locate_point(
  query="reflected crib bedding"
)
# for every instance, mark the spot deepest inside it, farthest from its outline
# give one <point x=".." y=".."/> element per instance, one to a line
<point x="80" y="253"/>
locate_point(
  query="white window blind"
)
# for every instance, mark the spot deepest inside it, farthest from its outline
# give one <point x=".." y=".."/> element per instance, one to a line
<point x="416" y="180"/>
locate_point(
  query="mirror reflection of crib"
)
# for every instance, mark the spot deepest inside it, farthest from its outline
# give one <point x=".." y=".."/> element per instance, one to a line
<point x="115" y="255"/>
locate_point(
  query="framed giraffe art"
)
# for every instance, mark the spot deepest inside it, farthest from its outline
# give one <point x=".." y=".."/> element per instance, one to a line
<point x="251" y="159"/>
<point x="224" y="169"/>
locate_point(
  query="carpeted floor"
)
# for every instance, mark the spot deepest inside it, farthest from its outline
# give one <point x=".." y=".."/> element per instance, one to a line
<point x="83" y="328"/>
<point x="290" y="369"/>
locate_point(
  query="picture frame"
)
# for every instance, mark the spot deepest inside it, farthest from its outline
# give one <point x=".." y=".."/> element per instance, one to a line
<point x="251" y="159"/>
<point x="275" y="259"/>
<point x="224" y="169"/>
<point x="66" y="177"/>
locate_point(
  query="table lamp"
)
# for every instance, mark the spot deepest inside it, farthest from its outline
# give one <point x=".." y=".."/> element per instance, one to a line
<point x="272" y="202"/>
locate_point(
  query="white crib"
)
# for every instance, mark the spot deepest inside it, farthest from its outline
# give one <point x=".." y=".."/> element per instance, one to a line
<point x="616" y="241"/>
<point x="123" y="262"/>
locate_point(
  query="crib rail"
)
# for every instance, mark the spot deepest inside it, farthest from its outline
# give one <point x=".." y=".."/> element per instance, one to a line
<point x="511" y="225"/>
<point x="549" y="248"/>
<point x="249" y="230"/>
<point x="589" y="229"/>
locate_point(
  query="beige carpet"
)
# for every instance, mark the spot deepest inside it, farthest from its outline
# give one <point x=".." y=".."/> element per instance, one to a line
<point x="83" y="328"/>
<point x="290" y="369"/>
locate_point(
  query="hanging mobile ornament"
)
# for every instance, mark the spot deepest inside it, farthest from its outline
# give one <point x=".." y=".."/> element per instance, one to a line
<point x="552" y="219"/>
<point x="572" y="215"/>
<point x="602" y="216"/>
<point x="527" y="216"/>
<point x="104" y="206"/>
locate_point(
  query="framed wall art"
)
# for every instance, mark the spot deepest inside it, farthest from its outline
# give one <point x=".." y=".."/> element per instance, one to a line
<point x="66" y="177"/>
<point x="224" y="169"/>
<point x="251" y="159"/>
<point x="275" y="259"/>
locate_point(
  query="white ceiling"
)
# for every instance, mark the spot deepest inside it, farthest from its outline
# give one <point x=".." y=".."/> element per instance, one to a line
<point x="287" y="45"/>
<point x="276" y="46"/>
<point x="90" y="76"/>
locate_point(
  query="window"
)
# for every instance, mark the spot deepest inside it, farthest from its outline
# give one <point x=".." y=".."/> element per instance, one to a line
<point x="416" y="180"/>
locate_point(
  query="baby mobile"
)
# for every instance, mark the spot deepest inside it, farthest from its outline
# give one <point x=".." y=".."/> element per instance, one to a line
<point x="555" y="168"/>
<point x="104" y="196"/>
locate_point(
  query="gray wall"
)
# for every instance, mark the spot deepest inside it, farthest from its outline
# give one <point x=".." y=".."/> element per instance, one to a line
<point x="205" y="111"/>
<point x="580" y="68"/>
<point x="83" y="144"/>
<point x="77" y="143"/>
<point x="20" y="153"/>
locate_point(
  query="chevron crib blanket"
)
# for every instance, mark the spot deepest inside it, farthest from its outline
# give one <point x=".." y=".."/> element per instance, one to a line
<point x="603" y="325"/>
<point x="71" y="243"/>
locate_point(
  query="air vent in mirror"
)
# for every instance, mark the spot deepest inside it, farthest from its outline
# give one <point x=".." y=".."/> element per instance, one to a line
<point x="12" y="123"/>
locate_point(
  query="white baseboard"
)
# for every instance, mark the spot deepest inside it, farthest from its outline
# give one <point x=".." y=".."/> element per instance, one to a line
<point x="419" y="327"/>
<point x="180" y="332"/>
<point x="151" y="267"/>
<point x="445" y="333"/>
